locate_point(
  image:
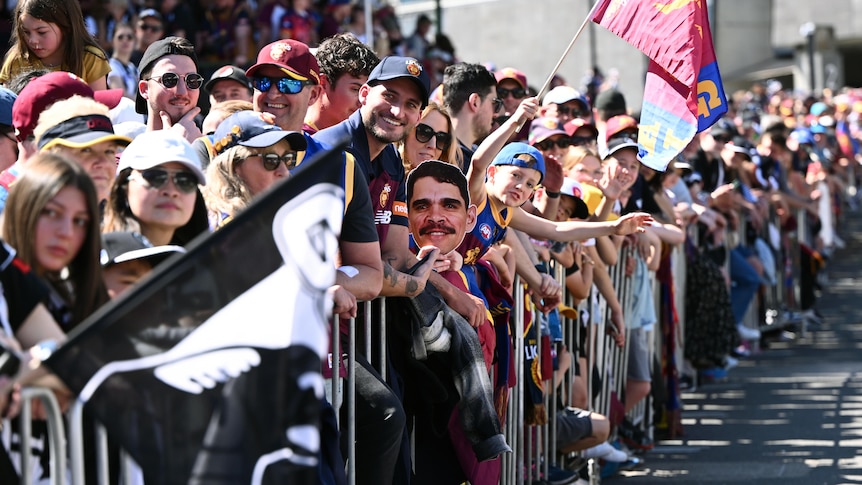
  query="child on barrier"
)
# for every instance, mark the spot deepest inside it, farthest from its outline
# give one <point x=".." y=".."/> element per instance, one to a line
<point x="51" y="34"/>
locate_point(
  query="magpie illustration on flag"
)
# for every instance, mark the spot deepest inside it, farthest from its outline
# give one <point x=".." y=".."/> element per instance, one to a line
<point x="209" y="370"/>
<point x="683" y="93"/>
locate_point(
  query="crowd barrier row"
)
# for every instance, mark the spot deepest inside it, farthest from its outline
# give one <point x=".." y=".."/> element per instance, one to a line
<point x="533" y="446"/>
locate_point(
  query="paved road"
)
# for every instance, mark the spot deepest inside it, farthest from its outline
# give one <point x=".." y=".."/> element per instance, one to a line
<point x="791" y="415"/>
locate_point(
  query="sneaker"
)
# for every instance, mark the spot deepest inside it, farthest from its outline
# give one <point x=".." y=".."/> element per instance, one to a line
<point x="730" y="362"/>
<point x="634" y="437"/>
<point x="746" y="333"/>
<point x="607" y="452"/>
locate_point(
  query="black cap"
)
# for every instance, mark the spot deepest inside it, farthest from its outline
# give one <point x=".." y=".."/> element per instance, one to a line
<point x="120" y="247"/>
<point x="394" y="67"/>
<point x="231" y="73"/>
<point x="619" y="143"/>
<point x="740" y="145"/>
<point x="157" y="50"/>
<point x="611" y="101"/>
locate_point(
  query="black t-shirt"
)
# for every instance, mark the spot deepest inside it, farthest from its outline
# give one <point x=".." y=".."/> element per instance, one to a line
<point x="22" y="289"/>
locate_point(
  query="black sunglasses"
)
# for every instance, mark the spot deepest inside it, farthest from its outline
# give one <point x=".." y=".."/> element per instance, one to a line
<point x="498" y="104"/>
<point x="517" y="93"/>
<point x="566" y="110"/>
<point x="156" y="178"/>
<point x="441" y="138"/>
<point x="272" y="160"/>
<point x="545" y="145"/>
<point x="150" y="27"/>
<point x="170" y="80"/>
<point x="285" y="85"/>
<point x="582" y="140"/>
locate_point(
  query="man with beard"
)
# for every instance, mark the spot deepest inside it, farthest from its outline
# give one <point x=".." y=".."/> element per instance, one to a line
<point x="470" y="97"/>
<point x="169" y="87"/>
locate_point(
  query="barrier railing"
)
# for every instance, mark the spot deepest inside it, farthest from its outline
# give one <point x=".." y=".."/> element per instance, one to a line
<point x="534" y="448"/>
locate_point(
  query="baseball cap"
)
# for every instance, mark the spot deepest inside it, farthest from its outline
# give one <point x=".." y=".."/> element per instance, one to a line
<point x="251" y="129"/>
<point x="153" y="148"/>
<point x="619" y="123"/>
<point x="818" y="108"/>
<point x="292" y="57"/>
<point x="573" y="188"/>
<point x="803" y="136"/>
<point x="158" y="49"/>
<point x="81" y="132"/>
<point x="620" y="143"/>
<point x="149" y="12"/>
<point x="43" y="91"/>
<point x="231" y="73"/>
<point x="612" y="101"/>
<point x="521" y="155"/>
<point x="7" y="100"/>
<point x="574" y="124"/>
<point x="123" y="246"/>
<point x="543" y="128"/>
<point x="394" y="67"/>
<point x="740" y="145"/>
<point x="511" y="73"/>
<point x="564" y="94"/>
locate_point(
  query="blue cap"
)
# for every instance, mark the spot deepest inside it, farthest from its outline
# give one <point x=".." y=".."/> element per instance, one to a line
<point x="818" y="129"/>
<point x="394" y="67"/>
<point x="803" y="136"/>
<point x="7" y="99"/>
<point x="512" y="154"/>
<point x="818" y="108"/>
<point x="252" y="129"/>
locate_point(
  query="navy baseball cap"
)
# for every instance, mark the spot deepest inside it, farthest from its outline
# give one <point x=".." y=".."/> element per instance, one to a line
<point x="394" y="67"/>
<point x="251" y="129"/>
<point x="7" y="99"/>
<point x="521" y="155"/>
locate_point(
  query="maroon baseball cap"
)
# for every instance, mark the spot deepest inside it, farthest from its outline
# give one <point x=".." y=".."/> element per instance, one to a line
<point x="512" y="73"/>
<point x="292" y="57"/>
<point x="43" y="91"/>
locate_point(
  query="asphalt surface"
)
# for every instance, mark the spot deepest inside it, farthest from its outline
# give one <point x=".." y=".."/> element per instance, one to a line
<point x="789" y="415"/>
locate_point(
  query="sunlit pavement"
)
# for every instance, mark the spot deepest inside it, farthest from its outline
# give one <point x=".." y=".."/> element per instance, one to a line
<point x="789" y="415"/>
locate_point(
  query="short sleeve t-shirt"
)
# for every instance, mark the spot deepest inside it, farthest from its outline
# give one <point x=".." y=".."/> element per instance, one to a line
<point x="95" y="66"/>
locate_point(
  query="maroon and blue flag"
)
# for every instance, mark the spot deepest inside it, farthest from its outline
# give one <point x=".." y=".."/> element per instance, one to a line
<point x="683" y="93"/>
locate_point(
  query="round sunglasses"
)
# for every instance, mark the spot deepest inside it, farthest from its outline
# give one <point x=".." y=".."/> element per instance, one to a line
<point x="156" y="178"/>
<point x="170" y="80"/>
<point x="441" y="138"/>
<point x="285" y="85"/>
<point x="271" y="161"/>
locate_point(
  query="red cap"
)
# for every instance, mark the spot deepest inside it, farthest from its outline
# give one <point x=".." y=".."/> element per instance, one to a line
<point x="292" y="57"/>
<point x="511" y="73"/>
<point x="43" y="91"/>
<point x="619" y="123"/>
<point x="574" y="124"/>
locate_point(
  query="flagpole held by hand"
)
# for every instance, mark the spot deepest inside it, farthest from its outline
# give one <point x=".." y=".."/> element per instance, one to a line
<point x="563" y="57"/>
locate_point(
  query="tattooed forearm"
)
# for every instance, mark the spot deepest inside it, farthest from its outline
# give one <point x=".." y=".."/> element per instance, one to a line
<point x="390" y="276"/>
<point x="412" y="287"/>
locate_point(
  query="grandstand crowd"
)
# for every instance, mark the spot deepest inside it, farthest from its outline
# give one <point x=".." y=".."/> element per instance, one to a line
<point x="130" y="128"/>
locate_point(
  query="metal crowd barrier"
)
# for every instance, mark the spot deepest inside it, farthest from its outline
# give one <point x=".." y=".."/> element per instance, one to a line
<point x="532" y="445"/>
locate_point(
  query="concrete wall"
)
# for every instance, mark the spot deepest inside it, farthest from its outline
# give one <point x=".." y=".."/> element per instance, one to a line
<point x="741" y="33"/>
<point x="845" y="16"/>
<point x="531" y="35"/>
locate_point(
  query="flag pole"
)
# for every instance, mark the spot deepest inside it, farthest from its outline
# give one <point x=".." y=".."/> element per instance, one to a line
<point x="565" y="54"/>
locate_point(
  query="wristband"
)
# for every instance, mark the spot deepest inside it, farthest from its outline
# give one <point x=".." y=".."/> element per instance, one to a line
<point x="552" y="195"/>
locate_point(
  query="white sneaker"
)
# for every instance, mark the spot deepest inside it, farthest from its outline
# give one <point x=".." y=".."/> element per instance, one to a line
<point x="607" y="452"/>
<point x="746" y="333"/>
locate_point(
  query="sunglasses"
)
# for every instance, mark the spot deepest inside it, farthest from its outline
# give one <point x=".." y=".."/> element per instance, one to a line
<point x="517" y="93"/>
<point x="125" y="37"/>
<point x="285" y="85"/>
<point x="170" y="80"/>
<point x="546" y="145"/>
<point x="156" y="178"/>
<point x="150" y="27"/>
<point x="441" y="138"/>
<point x="581" y="140"/>
<point x="567" y="110"/>
<point x="271" y="161"/>
<point x="498" y="104"/>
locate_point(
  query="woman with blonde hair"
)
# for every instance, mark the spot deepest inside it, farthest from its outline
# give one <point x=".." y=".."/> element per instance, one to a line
<point x="252" y="154"/>
<point x="432" y="139"/>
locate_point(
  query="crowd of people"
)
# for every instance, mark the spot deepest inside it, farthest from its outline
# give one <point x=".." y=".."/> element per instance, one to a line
<point x="457" y="180"/>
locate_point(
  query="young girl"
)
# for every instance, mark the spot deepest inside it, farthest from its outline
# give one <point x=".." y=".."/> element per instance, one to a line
<point x="50" y="34"/>
<point x="52" y="219"/>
